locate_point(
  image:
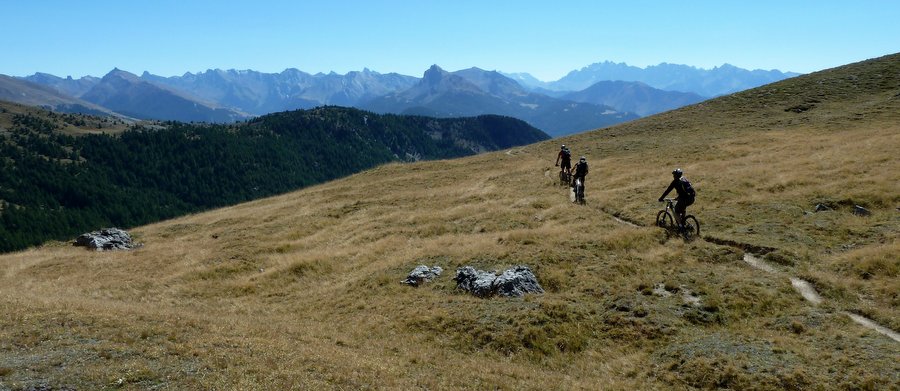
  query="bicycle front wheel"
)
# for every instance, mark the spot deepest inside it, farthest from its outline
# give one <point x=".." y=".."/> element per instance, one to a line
<point x="664" y="220"/>
<point x="691" y="227"/>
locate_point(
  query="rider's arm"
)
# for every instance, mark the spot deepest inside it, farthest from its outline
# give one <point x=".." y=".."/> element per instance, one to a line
<point x="558" y="156"/>
<point x="671" y="186"/>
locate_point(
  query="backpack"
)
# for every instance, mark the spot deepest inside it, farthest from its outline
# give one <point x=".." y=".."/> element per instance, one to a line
<point x="567" y="154"/>
<point x="688" y="189"/>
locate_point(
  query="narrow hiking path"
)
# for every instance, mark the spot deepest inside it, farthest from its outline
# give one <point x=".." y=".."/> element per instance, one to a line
<point x="809" y="293"/>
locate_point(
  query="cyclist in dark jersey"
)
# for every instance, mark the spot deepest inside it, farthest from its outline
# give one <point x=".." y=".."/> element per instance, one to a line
<point x="686" y="194"/>
<point x="579" y="171"/>
<point x="565" y="157"/>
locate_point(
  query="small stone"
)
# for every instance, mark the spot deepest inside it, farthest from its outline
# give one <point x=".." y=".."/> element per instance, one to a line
<point x="422" y="274"/>
<point x="822" y="208"/>
<point x="860" y="211"/>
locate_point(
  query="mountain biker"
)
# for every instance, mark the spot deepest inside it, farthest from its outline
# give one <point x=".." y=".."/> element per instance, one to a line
<point x="686" y="194"/>
<point x="565" y="156"/>
<point x="580" y="170"/>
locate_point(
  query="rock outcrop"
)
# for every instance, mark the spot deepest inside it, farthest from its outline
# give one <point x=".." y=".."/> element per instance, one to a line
<point x="106" y="239"/>
<point x="422" y="274"/>
<point x="513" y="282"/>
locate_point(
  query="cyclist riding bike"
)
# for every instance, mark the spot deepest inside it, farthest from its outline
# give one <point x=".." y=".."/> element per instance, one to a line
<point x="686" y="195"/>
<point x="580" y="170"/>
<point x="566" y="157"/>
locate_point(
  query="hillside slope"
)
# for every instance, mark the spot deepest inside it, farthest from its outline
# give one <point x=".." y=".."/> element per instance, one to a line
<point x="302" y="290"/>
<point x="53" y="185"/>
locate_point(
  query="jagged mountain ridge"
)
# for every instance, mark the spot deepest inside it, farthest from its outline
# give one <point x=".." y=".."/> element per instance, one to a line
<point x="262" y="93"/>
<point x="126" y="93"/>
<point x="68" y="85"/>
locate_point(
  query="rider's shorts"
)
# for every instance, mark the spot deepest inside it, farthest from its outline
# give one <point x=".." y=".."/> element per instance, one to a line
<point x="683" y="203"/>
<point x="566" y="164"/>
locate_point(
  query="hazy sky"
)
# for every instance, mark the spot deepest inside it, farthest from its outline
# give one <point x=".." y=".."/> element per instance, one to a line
<point x="545" y="38"/>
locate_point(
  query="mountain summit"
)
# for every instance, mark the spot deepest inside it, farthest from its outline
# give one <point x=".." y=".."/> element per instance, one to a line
<point x="475" y="92"/>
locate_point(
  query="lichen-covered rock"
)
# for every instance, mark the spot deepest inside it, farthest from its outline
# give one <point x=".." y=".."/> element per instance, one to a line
<point x="513" y="282"/>
<point x="516" y="282"/>
<point x="422" y="274"/>
<point x="106" y="239"/>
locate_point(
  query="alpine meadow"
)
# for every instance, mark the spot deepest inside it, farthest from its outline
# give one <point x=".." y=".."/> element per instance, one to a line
<point x="787" y="288"/>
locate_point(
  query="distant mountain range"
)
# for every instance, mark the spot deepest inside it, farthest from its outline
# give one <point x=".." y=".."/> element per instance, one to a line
<point x="596" y="96"/>
<point x="262" y="93"/>
<point x="708" y="83"/>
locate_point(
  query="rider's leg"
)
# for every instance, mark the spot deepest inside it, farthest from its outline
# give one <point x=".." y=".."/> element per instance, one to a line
<point x="680" y="209"/>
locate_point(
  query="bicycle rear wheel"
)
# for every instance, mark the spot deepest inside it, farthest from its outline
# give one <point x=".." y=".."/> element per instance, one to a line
<point x="691" y="227"/>
<point x="664" y="220"/>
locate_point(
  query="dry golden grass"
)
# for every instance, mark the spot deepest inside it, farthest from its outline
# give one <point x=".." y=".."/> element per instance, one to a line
<point x="301" y="291"/>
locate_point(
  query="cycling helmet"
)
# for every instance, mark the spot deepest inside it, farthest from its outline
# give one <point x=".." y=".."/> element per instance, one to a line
<point x="583" y="159"/>
<point x="563" y="146"/>
<point x="677" y="173"/>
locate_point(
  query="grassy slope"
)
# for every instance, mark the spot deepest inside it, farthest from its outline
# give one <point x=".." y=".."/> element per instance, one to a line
<point x="302" y="290"/>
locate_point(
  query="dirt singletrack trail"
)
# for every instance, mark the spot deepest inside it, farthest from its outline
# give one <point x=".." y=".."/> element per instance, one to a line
<point x="803" y="287"/>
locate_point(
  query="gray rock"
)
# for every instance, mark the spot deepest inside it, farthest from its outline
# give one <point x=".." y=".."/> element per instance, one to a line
<point x="477" y="282"/>
<point x="860" y="211"/>
<point x="513" y="282"/>
<point x="422" y="274"/>
<point x="516" y="282"/>
<point x="822" y="207"/>
<point x="106" y="239"/>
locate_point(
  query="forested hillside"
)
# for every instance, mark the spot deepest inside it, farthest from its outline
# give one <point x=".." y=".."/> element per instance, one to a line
<point x="54" y="185"/>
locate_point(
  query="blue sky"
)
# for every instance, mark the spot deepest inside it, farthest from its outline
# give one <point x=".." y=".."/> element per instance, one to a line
<point x="545" y="38"/>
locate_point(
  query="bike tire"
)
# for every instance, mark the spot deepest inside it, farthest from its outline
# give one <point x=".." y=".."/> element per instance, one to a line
<point x="691" y="227"/>
<point x="664" y="220"/>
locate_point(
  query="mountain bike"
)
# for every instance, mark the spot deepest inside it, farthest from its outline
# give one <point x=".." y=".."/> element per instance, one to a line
<point x="565" y="178"/>
<point x="690" y="229"/>
<point x="578" y="188"/>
